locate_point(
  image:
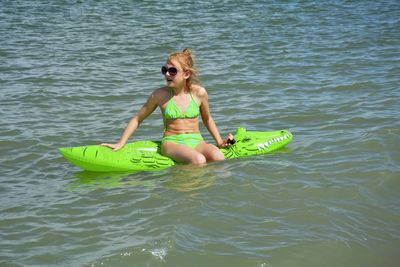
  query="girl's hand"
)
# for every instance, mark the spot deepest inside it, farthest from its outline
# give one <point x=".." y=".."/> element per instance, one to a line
<point x="229" y="140"/>
<point x="115" y="147"/>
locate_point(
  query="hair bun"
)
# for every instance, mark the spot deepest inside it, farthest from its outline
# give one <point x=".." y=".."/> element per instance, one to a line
<point x="187" y="52"/>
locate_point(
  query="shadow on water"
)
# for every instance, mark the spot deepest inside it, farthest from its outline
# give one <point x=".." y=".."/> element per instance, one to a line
<point x="183" y="178"/>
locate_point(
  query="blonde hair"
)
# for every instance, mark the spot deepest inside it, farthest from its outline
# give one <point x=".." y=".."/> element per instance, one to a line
<point x="186" y="61"/>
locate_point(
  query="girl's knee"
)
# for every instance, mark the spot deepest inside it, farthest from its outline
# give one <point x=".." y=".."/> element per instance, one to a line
<point x="211" y="153"/>
<point x="217" y="156"/>
<point x="198" y="159"/>
<point x="214" y="154"/>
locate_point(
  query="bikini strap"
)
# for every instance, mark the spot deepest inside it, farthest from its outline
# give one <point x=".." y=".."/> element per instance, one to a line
<point x="190" y="92"/>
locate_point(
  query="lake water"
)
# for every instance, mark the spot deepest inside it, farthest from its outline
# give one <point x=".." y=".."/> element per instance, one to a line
<point x="74" y="72"/>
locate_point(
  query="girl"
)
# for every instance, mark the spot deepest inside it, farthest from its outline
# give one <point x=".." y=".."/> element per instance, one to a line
<point x="182" y="101"/>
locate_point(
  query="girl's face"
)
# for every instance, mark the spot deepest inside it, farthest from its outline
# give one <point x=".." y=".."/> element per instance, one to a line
<point x="174" y="74"/>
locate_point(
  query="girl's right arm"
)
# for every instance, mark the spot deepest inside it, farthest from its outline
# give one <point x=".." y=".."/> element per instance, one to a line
<point x="144" y="112"/>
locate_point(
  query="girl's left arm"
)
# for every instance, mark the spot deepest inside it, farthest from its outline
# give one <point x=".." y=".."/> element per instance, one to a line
<point x="208" y="120"/>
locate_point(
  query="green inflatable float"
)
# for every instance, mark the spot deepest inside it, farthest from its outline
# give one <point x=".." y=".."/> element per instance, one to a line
<point x="145" y="155"/>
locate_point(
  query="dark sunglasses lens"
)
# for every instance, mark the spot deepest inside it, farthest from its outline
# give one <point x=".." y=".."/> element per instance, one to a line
<point x="172" y="71"/>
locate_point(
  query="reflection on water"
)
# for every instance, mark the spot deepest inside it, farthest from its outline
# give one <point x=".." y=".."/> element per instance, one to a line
<point x="184" y="178"/>
<point x="88" y="181"/>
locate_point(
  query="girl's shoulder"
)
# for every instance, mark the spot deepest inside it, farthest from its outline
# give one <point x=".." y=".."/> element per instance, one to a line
<point x="161" y="92"/>
<point x="198" y="90"/>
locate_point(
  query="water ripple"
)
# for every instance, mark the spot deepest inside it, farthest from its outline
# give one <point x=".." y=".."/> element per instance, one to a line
<point x="74" y="73"/>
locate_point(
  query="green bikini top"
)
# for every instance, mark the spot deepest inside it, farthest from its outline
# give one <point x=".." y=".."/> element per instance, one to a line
<point x="172" y="111"/>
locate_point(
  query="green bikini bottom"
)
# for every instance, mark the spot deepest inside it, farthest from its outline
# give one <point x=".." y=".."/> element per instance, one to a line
<point x="190" y="140"/>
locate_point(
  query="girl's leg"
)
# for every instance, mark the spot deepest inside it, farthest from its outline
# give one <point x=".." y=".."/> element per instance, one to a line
<point x="182" y="153"/>
<point x="210" y="152"/>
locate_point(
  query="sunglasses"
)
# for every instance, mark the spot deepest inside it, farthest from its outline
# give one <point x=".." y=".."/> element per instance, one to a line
<point x="172" y="70"/>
